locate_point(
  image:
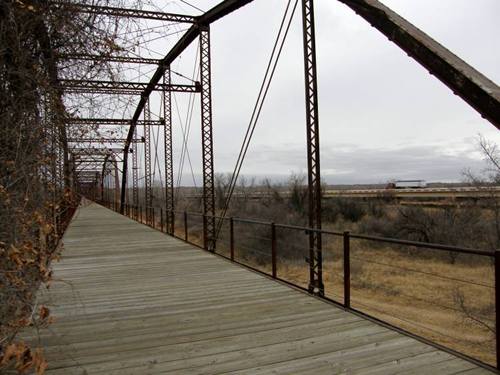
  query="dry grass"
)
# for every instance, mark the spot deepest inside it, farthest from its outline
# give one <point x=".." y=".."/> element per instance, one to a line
<point x="426" y="305"/>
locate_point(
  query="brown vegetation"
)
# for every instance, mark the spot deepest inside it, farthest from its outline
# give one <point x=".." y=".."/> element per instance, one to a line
<point x="36" y="194"/>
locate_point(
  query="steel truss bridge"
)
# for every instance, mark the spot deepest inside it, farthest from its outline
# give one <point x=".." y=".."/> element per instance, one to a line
<point x="97" y="172"/>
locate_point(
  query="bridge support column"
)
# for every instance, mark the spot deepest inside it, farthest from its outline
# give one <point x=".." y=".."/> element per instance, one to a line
<point x="135" y="176"/>
<point x="148" y="193"/>
<point x="207" y="141"/>
<point x="313" y="156"/>
<point x="169" y="168"/>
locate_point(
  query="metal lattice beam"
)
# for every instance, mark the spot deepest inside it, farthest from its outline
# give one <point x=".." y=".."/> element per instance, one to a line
<point x="207" y="141"/>
<point x="76" y="151"/>
<point x="110" y="58"/>
<point x="148" y="193"/>
<point x="169" y="168"/>
<point x="74" y="86"/>
<point x="109" y="121"/>
<point x="126" y="12"/>
<point x="313" y="158"/>
<point x="103" y="140"/>
<point x="135" y="173"/>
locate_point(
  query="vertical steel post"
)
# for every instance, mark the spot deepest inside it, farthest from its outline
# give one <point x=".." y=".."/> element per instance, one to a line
<point x="313" y="158"/>
<point x="117" y="183"/>
<point x="135" y="174"/>
<point x="347" y="270"/>
<point x="231" y="237"/>
<point x="161" y="219"/>
<point x="148" y="194"/>
<point x="185" y="226"/>
<point x="497" y="305"/>
<point x="207" y="140"/>
<point x="169" y="168"/>
<point x="273" y="249"/>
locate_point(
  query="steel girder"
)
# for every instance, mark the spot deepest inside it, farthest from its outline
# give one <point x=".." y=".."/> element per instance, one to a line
<point x="478" y="91"/>
<point x="135" y="173"/>
<point x="119" y="59"/>
<point x="148" y="187"/>
<point x="169" y="167"/>
<point x="126" y="12"/>
<point x="104" y="140"/>
<point x="313" y="157"/>
<point x="78" y="151"/>
<point x="109" y="121"/>
<point x="209" y="228"/>
<point x="72" y="86"/>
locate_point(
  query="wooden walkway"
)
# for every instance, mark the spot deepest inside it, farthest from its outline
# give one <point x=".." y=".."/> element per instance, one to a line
<point x="130" y="300"/>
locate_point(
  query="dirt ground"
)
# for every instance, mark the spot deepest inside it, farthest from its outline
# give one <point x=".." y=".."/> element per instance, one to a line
<point x="451" y="304"/>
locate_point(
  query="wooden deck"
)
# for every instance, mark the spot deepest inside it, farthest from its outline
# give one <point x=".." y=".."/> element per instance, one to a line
<point x="130" y="300"/>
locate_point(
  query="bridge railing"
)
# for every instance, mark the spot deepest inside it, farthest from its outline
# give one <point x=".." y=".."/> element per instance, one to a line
<point x="443" y="295"/>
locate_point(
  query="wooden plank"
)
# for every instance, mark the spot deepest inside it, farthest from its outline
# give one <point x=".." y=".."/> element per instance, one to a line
<point x="130" y="300"/>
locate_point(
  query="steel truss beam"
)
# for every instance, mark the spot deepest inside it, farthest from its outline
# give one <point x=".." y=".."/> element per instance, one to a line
<point x="126" y="12"/>
<point x="73" y="86"/>
<point x="222" y="9"/>
<point x="119" y="59"/>
<point x="207" y="142"/>
<point x="473" y="87"/>
<point x="109" y="121"/>
<point x="90" y="157"/>
<point x="104" y="140"/>
<point x="82" y="161"/>
<point x="169" y="167"/>
<point x="313" y="158"/>
<point x="135" y="173"/>
<point x="96" y="150"/>
<point x="86" y="173"/>
<point x="148" y="186"/>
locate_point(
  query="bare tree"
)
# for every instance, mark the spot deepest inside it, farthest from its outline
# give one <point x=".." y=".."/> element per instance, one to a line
<point x="35" y="182"/>
<point x="487" y="182"/>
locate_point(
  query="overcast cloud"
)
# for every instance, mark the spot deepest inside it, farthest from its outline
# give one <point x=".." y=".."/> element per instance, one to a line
<point x="382" y="116"/>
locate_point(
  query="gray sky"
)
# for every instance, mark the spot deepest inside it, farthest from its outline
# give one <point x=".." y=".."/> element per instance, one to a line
<point x="382" y="116"/>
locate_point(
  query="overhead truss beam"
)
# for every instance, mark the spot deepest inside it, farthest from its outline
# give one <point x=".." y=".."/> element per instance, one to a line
<point x="110" y="121"/>
<point x="476" y="89"/>
<point x="96" y="150"/>
<point x="126" y="12"/>
<point x="123" y="88"/>
<point x="103" y="140"/>
<point x="119" y="59"/>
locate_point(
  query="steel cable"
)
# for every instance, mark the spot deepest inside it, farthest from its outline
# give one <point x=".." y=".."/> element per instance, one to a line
<point x="266" y="82"/>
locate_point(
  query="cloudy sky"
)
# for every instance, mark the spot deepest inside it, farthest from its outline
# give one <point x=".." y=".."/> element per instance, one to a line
<point x="382" y="116"/>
